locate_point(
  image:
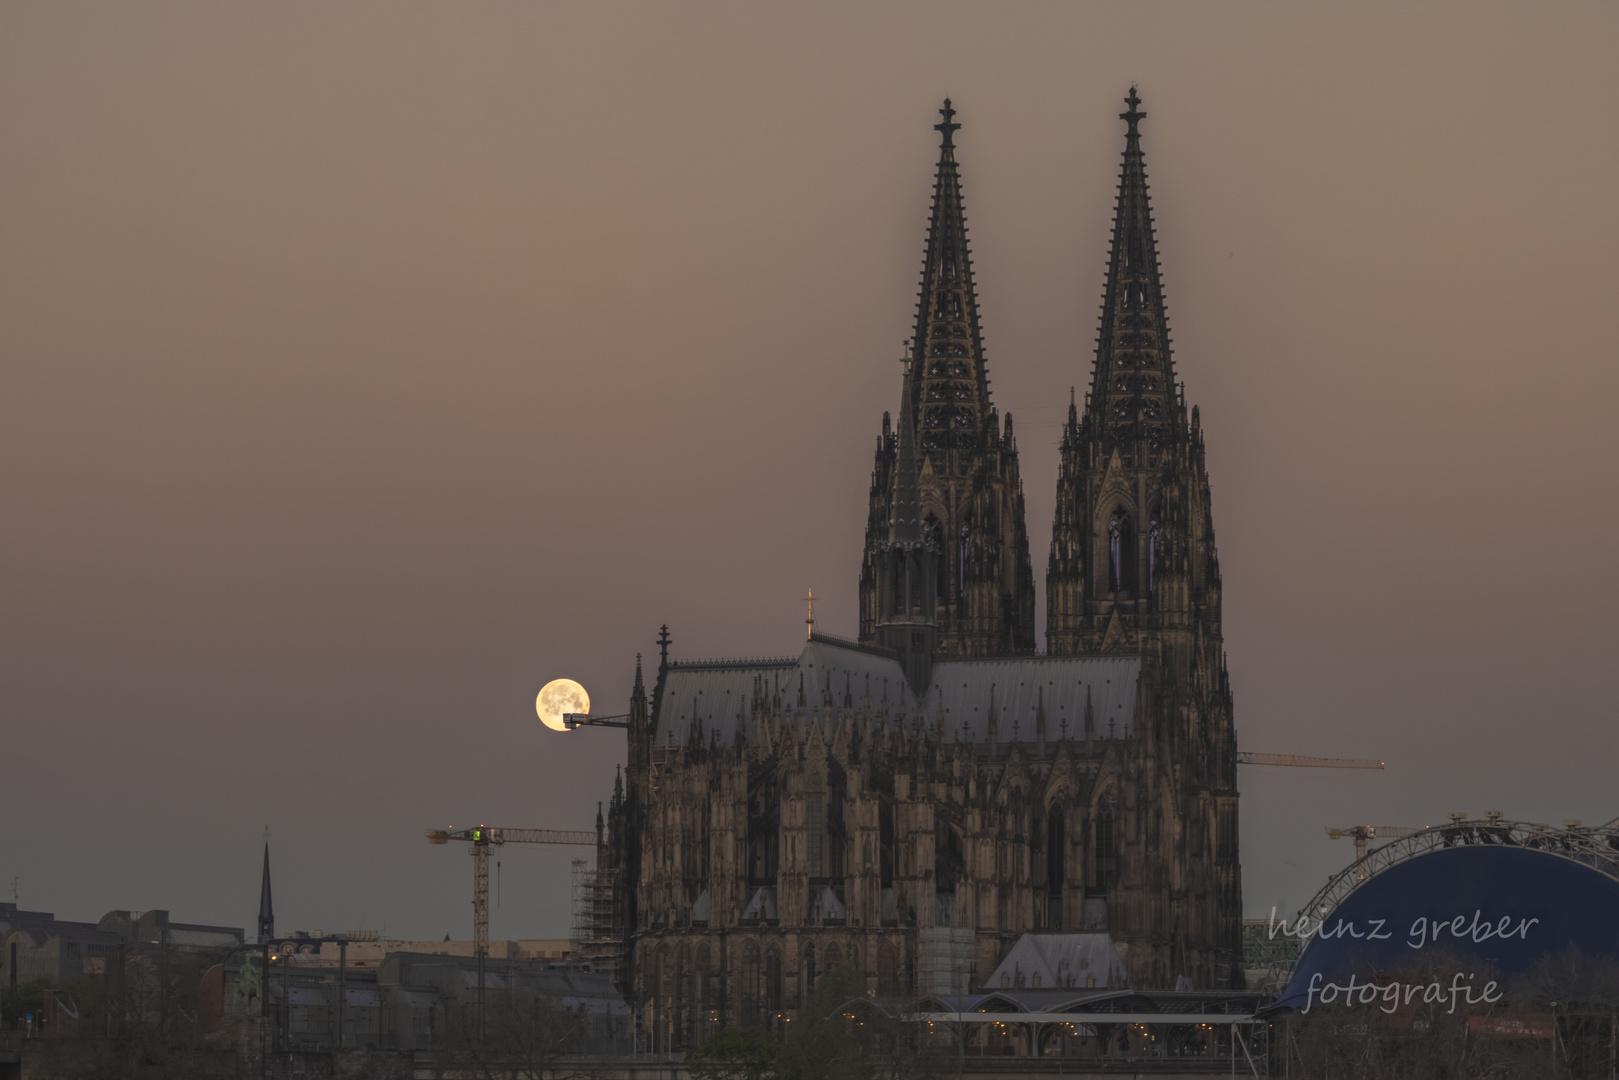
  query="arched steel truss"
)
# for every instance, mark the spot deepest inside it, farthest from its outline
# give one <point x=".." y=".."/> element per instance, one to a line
<point x="1596" y="847"/>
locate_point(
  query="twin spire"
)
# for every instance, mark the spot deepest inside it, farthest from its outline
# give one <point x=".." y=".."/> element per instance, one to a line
<point x="949" y="388"/>
<point x="1133" y="393"/>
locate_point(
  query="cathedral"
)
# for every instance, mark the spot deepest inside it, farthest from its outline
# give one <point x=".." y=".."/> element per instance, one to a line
<point x="916" y="801"/>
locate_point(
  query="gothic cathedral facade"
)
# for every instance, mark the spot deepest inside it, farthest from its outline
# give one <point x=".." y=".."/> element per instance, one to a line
<point x="915" y="801"/>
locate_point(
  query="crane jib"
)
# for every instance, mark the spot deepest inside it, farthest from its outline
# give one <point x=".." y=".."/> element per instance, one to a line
<point x="492" y="834"/>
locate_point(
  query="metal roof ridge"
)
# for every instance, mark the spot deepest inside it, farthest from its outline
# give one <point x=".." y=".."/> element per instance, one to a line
<point x="736" y="662"/>
<point x="1027" y="656"/>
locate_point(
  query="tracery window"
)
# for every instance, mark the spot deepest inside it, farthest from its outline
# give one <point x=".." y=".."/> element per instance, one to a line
<point x="1056" y="850"/>
<point x="1153" y="541"/>
<point x="773" y="981"/>
<point x="1106" y="848"/>
<point x="887" y="971"/>
<point x="934" y="542"/>
<point x="1121" y="545"/>
<point x="961" y="559"/>
<point x="814" y="829"/>
<point x="885" y="842"/>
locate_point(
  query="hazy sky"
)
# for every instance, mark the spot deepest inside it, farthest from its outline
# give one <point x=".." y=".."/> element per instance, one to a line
<point x="365" y="366"/>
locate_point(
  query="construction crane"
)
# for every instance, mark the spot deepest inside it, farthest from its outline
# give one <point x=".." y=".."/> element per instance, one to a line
<point x="1363" y="833"/>
<point x="1248" y="757"/>
<point x="480" y="837"/>
<point x="571" y="720"/>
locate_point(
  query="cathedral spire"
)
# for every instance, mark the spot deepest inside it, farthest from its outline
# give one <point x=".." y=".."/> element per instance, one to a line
<point x="951" y="388"/>
<point x="1133" y="384"/>
<point x="946" y="562"/>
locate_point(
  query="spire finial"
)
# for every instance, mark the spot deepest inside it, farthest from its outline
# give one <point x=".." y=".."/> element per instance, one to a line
<point x="1133" y="117"/>
<point x="949" y="128"/>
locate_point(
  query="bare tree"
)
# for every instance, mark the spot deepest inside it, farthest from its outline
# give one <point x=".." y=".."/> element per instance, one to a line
<point x="520" y="1036"/>
<point x="141" y="1018"/>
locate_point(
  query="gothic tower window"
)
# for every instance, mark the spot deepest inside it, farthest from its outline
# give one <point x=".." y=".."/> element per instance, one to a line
<point x="1056" y="849"/>
<point x="932" y="537"/>
<point x="887" y="971"/>
<point x="836" y="836"/>
<point x="885" y="842"/>
<point x="949" y="866"/>
<point x="764" y="820"/>
<point x="1105" y="846"/>
<point x="809" y="969"/>
<point x="1121" y="547"/>
<point x="773" y="981"/>
<point x="752" y="985"/>
<point x="1154" y="541"/>
<point x="961" y="559"/>
<point x="815" y="828"/>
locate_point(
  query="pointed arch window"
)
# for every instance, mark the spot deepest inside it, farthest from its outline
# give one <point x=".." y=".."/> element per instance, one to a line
<point x="773" y="982"/>
<point x="815" y="826"/>
<point x="1105" y="847"/>
<point x="1056" y="850"/>
<point x="764" y="821"/>
<point x="949" y="863"/>
<point x="934" y="542"/>
<point x="752" y="984"/>
<point x="961" y="558"/>
<point x="1154" y="546"/>
<point x="1121" y="547"/>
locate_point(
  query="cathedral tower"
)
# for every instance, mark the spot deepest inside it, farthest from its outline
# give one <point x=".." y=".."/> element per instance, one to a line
<point x="1133" y="568"/>
<point x="969" y="495"/>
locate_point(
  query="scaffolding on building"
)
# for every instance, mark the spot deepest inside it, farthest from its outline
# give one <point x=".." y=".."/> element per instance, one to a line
<point x="596" y="935"/>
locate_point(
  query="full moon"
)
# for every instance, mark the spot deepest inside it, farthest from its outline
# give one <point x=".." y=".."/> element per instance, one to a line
<point x="560" y="696"/>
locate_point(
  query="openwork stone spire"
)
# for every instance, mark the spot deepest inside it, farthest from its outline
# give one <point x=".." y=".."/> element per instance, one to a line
<point x="968" y="499"/>
<point x="1133" y="383"/>
<point x="951" y="387"/>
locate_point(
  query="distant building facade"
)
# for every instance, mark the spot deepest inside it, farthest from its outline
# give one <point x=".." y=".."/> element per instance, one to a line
<point x="36" y="945"/>
<point x="916" y="801"/>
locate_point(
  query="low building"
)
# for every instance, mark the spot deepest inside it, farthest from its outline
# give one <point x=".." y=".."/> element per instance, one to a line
<point x="37" y="945"/>
<point x="401" y="1003"/>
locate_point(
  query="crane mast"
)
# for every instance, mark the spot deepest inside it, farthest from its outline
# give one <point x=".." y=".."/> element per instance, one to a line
<point x="480" y="837"/>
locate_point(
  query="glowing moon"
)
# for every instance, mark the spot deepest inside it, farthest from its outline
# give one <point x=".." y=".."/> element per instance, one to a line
<point x="560" y="696"/>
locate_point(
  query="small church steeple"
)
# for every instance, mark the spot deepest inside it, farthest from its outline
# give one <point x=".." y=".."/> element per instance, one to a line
<point x="266" y="908"/>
